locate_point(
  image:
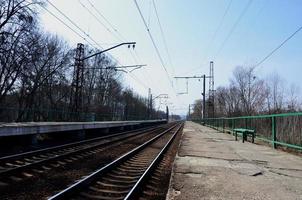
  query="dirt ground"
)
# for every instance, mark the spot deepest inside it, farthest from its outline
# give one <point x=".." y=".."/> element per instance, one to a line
<point x="211" y="165"/>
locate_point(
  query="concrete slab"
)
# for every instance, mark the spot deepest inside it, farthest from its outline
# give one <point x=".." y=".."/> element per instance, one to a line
<point x="211" y="165"/>
<point x="28" y="128"/>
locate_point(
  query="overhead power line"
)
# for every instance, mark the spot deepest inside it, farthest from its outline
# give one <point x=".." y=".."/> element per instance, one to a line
<point x="72" y="22"/>
<point x="118" y="36"/>
<point x="108" y="22"/>
<point x="162" y="34"/>
<point x="203" y="63"/>
<point x="233" y="27"/>
<point x="153" y="42"/>
<point x="221" y="21"/>
<point x="217" y="30"/>
<point x="97" y="19"/>
<point x="84" y="33"/>
<point x="279" y="46"/>
<point x="80" y="29"/>
<point x="69" y="27"/>
<point x="156" y="49"/>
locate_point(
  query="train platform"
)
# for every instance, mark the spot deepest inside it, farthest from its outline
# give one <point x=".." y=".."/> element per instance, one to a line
<point x="212" y="165"/>
<point x="32" y="128"/>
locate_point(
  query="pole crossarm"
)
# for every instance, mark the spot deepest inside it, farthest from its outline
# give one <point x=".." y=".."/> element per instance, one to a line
<point x="189" y="77"/>
<point x="204" y="77"/>
<point x="119" y="67"/>
<point x="129" y="66"/>
<point x="135" y="67"/>
<point x="100" y="52"/>
<point x="165" y="96"/>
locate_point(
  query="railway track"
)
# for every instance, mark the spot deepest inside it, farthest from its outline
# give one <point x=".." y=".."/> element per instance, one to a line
<point x="41" y="160"/>
<point x="124" y="177"/>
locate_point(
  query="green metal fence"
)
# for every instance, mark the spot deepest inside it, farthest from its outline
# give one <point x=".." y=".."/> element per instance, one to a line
<point x="277" y="129"/>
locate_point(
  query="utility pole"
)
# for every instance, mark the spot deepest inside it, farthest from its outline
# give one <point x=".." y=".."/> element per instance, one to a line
<point x="148" y="104"/>
<point x="204" y="88"/>
<point x="167" y="113"/>
<point x="76" y="100"/>
<point x="189" y="112"/>
<point x="211" y="110"/>
<point x="204" y="97"/>
<point x="151" y="106"/>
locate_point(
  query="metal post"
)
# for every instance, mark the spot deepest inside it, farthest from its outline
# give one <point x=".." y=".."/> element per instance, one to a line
<point x="246" y="122"/>
<point x="211" y="107"/>
<point x="167" y="113"/>
<point x="151" y="109"/>
<point x="78" y="81"/>
<point x="149" y="100"/>
<point x="204" y="97"/>
<point x="233" y="125"/>
<point x="274" y="132"/>
<point x="189" y="112"/>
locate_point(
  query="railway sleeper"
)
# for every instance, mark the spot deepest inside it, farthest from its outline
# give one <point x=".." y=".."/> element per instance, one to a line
<point x="103" y="190"/>
<point x="113" y="181"/>
<point x="101" y="183"/>
<point x="125" y="173"/>
<point x="90" y="196"/>
<point x="127" y="177"/>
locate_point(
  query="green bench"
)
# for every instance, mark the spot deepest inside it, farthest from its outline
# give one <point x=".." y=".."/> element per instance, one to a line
<point x="245" y="133"/>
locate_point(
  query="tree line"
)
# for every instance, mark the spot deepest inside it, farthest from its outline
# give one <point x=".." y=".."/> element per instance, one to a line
<point x="36" y="75"/>
<point x="248" y="94"/>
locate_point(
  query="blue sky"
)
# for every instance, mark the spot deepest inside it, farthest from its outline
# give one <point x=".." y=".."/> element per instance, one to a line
<point x="189" y="28"/>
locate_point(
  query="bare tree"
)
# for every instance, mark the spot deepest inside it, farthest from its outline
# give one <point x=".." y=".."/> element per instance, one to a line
<point x="275" y="91"/>
<point x="36" y="73"/>
<point x="251" y="89"/>
<point x="48" y="57"/>
<point x="197" y="109"/>
<point x="294" y="104"/>
<point x="16" y="22"/>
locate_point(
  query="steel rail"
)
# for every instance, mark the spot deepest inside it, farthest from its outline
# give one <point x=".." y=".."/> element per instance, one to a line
<point x="10" y="171"/>
<point x="135" y="191"/>
<point x="59" y="147"/>
<point x="68" y="192"/>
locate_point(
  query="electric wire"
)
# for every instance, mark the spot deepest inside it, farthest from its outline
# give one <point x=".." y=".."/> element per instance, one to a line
<point x="153" y="42"/>
<point x="73" y="30"/>
<point x="71" y="21"/>
<point x="163" y="35"/>
<point x="278" y="47"/>
<point x="157" y="50"/>
<point x="233" y="28"/>
<point x="122" y="38"/>
<point x="69" y="27"/>
<point x="102" y="24"/>
<point x="149" y="13"/>
<point x="112" y="26"/>
<point x="146" y="78"/>
<point x="97" y="19"/>
<point x="97" y="44"/>
<point x="221" y="21"/>
<point x="252" y="25"/>
<point x="216" y="32"/>
<point x="58" y="18"/>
